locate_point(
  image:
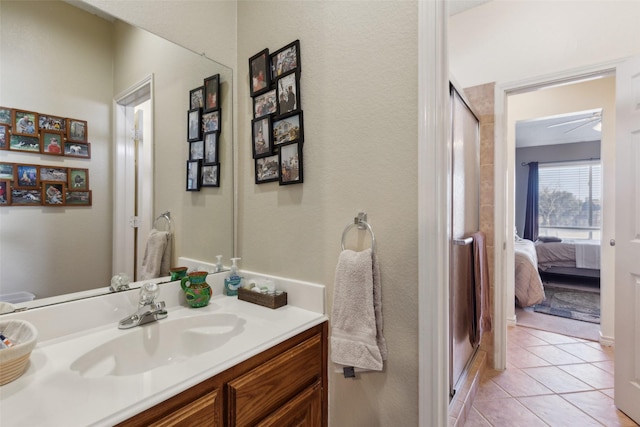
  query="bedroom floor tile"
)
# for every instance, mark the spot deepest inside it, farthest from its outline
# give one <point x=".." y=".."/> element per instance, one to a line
<point x="574" y="389"/>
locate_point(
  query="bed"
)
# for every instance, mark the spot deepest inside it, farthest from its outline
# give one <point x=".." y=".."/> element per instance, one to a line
<point x="569" y="257"/>
<point x="528" y="284"/>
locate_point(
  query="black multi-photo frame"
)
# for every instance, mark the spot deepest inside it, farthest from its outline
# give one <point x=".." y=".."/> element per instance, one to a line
<point x="277" y="125"/>
<point x="204" y="124"/>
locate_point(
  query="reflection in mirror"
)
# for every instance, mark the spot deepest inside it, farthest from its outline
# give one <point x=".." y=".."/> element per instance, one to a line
<point x="63" y="61"/>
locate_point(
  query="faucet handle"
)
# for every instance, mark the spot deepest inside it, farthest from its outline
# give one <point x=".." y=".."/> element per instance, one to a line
<point x="148" y="293"/>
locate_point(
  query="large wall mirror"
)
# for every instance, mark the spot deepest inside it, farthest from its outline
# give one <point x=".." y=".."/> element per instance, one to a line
<point x="62" y="61"/>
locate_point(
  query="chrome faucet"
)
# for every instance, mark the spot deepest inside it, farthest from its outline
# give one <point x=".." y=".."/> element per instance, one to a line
<point x="148" y="310"/>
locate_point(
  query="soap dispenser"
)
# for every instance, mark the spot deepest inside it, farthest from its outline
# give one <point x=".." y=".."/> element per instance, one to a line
<point x="233" y="281"/>
<point x="219" y="264"/>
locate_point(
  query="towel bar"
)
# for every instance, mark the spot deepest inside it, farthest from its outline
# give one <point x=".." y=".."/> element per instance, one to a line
<point x="463" y="242"/>
<point x="167" y="217"/>
<point x="360" y="221"/>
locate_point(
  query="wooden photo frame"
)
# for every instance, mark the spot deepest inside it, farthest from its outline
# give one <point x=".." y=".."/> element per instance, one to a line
<point x="211" y="175"/>
<point x="26" y="176"/>
<point x="210" y="147"/>
<point x="24" y="123"/>
<point x="77" y="130"/>
<point x="7" y="171"/>
<point x="267" y="169"/>
<point x="78" y="198"/>
<point x="288" y="88"/>
<point x="77" y="149"/>
<point x="5" y="192"/>
<point x="286" y="59"/>
<point x="211" y="121"/>
<point x="23" y="197"/>
<point x="53" y="193"/>
<point x="196" y="150"/>
<point x="51" y="173"/>
<point x="212" y="93"/>
<point x="262" y="137"/>
<point x="52" y="142"/>
<point x="5" y="135"/>
<point x="196" y="98"/>
<point x="288" y="128"/>
<point x="259" y="72"/>
<point x="55" y="123"/>
<point x="78" y="179"/>
<point x="30" y="144"/>
<point x="193" y="175"/>
<point x="265" y="104"/>
<point x="290" y="160"/>
<point x="6" y="115"/>
<point x="194" y="129"/>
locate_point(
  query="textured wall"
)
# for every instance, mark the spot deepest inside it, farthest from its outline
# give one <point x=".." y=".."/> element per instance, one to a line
<point x="359" y="78"/>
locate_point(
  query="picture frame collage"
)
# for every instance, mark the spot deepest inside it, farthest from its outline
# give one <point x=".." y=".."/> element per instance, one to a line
<point x="204" y="121"/>
<point x="32" y="132"/>
<point x="24" y="184"/>
<point x="277" y="134"/>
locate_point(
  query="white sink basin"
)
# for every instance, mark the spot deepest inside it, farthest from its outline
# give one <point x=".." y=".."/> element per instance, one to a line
<point x="168" y="341"/>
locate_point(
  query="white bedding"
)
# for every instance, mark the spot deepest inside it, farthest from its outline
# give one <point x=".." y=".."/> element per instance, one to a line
<point x="575" y="254"/>
<point x="528" y="285"/>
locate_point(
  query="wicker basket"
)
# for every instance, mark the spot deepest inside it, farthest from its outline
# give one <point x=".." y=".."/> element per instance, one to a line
<point x="265" y="300"/>
<point x="14" y="360"/>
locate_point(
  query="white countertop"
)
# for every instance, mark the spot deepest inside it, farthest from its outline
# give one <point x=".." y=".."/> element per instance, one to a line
<point x="50" y="393"/>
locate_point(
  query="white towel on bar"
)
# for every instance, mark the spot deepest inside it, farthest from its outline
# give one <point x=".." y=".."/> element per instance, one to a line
<point x="588" y="255"/>
<point x="157" y="255"/>
<point x="356" y="322"/>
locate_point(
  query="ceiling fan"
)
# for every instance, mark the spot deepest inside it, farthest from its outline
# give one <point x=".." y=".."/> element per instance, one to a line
<point x="594" y="120"/>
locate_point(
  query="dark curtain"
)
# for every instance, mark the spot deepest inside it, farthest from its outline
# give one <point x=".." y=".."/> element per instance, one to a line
<point x="531" y="217"/>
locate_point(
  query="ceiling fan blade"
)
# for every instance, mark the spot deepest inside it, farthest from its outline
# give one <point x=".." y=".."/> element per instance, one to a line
<point x="591" y="121"/>
<point x="570" y="122"/>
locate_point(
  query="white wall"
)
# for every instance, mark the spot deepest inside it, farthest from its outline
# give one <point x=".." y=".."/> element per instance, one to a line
<point x="55" y="250"/>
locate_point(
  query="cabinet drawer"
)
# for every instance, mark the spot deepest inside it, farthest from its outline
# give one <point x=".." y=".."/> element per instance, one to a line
<point x="201" y="412"/>
<point x="264" y="389"/>
<point x="303" y="410"/>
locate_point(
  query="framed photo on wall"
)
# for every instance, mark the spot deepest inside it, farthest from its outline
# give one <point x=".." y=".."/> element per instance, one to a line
<point x="196" y="150"/>
<point x="5" y="192"/>
<point x="267" y="169"/>
<point x="47" y="122"/>
<point x="193" y="175"/>
<point x="211" y="121"/>
<point x="286" y="59"/>
<point x="51" y="142"/>
<point x="211" y="175"/>
<point x="22" y="197"/>
<point x="24" y="143"/>
<point x="265" y="104"/>
<point x="291" y="164"/>
<point x="288" y="128"/>
<point x="4" y="136"/>
<point x="5" y="116"/>
<point x="24" y="123"/>
<point x="77" y="130"/>
<point x="78" y="198"/>
<point x="262" y="137"/>
<point x="53" y="193"/>
<point x="194" y="130"/>
<point x="210" y="147"/>
<point x="7" y="171"/>
<point x="211" y="93"/>
<point x="50" y="173"/>
<point x="77" y="149"/>
<point x="288" y="93"/>
<point x="78" y="179"/>
<point x="26" y="177"/>
<point x="196" y="98"/>
<point x="260" y="72"/>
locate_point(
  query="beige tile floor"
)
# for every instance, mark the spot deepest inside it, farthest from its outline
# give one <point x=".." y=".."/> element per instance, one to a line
<point x="550" y="380"/>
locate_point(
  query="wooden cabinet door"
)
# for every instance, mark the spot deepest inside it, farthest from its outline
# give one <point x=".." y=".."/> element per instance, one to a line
<point x="304" y="410"/>
<point x="201" y="412"/>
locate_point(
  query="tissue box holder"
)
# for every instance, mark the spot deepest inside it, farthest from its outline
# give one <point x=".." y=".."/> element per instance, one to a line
<point x="265" y="300"/>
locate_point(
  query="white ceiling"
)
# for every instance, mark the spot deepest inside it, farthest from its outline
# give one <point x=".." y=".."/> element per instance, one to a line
<point x="537" y="131"/>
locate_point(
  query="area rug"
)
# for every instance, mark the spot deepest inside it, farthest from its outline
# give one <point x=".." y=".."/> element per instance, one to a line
<point x="570" y="303"/>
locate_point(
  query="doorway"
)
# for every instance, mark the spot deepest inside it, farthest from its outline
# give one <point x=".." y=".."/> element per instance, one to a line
<point x="133" y="194"/>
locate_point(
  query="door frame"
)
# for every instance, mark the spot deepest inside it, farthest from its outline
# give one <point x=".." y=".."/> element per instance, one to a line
<point x="124" y="197"/>
<point x="504" y="215"/>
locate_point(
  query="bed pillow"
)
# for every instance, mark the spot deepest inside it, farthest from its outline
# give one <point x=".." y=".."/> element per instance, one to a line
<point x="547" y="239"/>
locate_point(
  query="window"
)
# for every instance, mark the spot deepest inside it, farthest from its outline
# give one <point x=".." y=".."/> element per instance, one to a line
<point x="569" y="199"/>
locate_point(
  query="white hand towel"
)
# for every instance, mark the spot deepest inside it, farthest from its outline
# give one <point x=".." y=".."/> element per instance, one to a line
<point x="157" y="255"/>
<point x="356" y="322"/>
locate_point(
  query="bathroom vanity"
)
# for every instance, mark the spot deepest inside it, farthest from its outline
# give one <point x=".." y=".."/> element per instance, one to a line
<point x="231" y="363"/>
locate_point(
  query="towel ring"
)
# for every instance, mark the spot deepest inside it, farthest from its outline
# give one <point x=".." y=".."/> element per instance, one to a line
<point x="360" y="221"/>
<point x="167" y="217"/>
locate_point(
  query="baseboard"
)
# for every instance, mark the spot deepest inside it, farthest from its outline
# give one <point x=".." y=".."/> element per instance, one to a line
<point x="606" y="341"/>
<point x="512" y="321"/>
